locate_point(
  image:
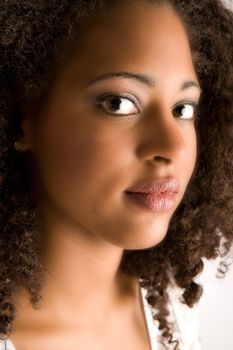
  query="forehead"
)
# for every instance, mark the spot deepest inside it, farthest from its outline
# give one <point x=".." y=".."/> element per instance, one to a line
<point x="140" y="36"/>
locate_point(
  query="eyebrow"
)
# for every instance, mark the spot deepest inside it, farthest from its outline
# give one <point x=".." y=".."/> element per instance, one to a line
<point x="145" y="79"/>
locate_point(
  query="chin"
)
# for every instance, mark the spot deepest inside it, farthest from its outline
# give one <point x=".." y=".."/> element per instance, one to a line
<point x="138" y="242"/>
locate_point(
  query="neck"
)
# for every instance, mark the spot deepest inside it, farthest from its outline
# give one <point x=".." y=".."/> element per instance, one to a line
<point x="82" y="273"/>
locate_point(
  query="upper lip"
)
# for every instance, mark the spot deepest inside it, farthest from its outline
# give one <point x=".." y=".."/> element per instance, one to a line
<point x="168" y="185"/>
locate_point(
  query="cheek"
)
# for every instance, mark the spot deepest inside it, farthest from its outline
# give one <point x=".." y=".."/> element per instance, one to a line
<point x="194" y="147"/>
<point x="76" y="161"/>
<point x="191" y="152"/>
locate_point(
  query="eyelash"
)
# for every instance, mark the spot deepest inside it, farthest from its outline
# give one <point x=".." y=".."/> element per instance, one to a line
<point x="102" y="98"/>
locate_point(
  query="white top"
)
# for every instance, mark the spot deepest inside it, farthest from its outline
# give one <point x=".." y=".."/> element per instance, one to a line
<point x="186" y="328"/>
<point x="186" y="320"/>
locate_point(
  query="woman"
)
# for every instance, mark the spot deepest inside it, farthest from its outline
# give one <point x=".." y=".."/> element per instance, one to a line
<point x="116" y="169"/>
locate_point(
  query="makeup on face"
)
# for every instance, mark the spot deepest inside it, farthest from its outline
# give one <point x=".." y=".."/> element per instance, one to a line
<point x="121" y="120"/>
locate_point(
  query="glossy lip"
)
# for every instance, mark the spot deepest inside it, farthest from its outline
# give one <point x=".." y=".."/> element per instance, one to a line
<point x="156" y="186"/>
<point x="153" y="201"/>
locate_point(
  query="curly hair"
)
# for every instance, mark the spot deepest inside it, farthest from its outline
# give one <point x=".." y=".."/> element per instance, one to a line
<point x="36" y="39"/>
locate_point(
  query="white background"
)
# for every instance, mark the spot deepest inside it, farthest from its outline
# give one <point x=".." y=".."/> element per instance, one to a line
<point x="216" y="307"/>
<point x="228" y="3"/>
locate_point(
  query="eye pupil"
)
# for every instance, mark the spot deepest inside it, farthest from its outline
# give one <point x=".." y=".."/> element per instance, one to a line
<point x="186" y="109"/>
<point x="179" y="109"/>
<point x="115" y="102"/>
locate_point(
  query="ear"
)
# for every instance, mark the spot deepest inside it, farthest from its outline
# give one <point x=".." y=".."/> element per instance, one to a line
<point x="25" y="140"/>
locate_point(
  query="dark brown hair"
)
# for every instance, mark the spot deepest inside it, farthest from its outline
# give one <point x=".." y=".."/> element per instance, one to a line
<point x="34" y="35"/>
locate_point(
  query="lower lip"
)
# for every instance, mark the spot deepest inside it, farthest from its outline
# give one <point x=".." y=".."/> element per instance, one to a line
<point x="153" y="201"/>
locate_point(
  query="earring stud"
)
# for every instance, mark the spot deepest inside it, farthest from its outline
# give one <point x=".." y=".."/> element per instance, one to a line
<point x="18" y="146"/>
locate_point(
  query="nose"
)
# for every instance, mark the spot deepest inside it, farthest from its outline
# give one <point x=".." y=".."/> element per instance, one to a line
<point x="162" y="137"/>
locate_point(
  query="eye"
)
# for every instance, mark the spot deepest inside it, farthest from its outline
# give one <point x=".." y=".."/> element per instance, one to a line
<point x="188" y="109"/>
<point x="112" y="103"/>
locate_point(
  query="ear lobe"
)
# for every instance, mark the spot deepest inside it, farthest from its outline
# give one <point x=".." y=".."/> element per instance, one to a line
<point x="24" y="142"/>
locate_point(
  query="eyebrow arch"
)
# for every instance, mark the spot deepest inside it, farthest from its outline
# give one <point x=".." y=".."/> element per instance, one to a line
<point x="145" y="79"/>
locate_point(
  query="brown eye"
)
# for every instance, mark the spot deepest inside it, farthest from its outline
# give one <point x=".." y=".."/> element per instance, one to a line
<point x="113" y="103"/>
<point x="186" y="110"/>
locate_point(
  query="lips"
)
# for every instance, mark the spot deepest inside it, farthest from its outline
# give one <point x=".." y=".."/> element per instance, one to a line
<point x="153" y="201"/>
<point x="154" y="195"/>
<point x="156" y="186"/>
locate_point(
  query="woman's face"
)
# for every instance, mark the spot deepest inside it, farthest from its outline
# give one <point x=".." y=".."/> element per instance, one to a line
<point x="89" y="156"/>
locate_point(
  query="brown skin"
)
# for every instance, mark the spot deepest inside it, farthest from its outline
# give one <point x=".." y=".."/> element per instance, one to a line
<point x="87" y="159"/>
